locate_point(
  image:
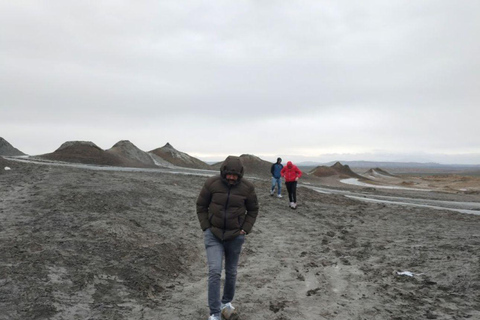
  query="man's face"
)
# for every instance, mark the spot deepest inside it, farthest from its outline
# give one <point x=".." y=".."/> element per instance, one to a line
<point x="231" y="178"/>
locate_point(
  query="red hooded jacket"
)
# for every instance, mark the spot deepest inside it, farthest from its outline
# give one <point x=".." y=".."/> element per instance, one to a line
<point x="290" y="172"/>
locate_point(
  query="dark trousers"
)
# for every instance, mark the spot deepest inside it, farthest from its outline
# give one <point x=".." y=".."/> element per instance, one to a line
<point x="292" y="191"/>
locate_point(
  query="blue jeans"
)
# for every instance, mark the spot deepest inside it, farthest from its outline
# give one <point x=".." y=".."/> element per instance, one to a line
<point x="278" y="182"/>
<point x="216" y="250"/>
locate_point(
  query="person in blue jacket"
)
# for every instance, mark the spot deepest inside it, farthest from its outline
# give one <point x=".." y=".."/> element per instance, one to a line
<point x="276" y="177"/>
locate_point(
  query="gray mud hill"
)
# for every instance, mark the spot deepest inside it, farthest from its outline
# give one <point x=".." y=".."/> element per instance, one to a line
<point x="375" y="172"/>
<point x="256" y="166"/>
<point x="6" y="149"/>
<point x="87" y="152"/>
<point x="178" y="158"/>
<point x="78" y="243"/>
<point x="160" y="161"/>
<point x="252" y="164"/>
<point x="128" y="150"/>
<point x="339" y="170"/>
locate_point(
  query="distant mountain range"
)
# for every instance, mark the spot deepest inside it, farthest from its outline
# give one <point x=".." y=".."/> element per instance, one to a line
<point x="124" y="153"/>
<point x="386" y="164"/>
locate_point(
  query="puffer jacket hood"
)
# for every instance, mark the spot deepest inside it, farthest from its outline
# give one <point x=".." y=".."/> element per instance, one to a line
<point x="291" y="172"/>
<point x="232" y="165"/>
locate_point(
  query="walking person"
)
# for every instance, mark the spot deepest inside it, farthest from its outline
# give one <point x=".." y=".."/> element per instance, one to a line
<point x="291" y="173"/>
<point x="227" y="208"/>
<point x="276" y="177"/>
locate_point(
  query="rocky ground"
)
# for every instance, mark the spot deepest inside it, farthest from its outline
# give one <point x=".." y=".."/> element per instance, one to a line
<point x="95" y="244"/>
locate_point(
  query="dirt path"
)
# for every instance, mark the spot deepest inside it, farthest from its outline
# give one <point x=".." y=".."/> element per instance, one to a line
<point x="83" y="244"/>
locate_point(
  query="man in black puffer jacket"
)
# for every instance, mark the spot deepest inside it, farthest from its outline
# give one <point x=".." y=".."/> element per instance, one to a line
<point x="227" y="208"/>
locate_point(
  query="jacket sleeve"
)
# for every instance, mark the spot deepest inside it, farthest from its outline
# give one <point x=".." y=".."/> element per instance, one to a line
<point x="251" y="204"/>
<point x="282" y="172"/>
<point x="272" y="169"/>
<point x="299" y="173"/>
<point x="203" y="202"/>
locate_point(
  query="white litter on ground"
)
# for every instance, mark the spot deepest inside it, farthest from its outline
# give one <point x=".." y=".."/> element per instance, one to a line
<point x="408" y="273"/>
<point x="8" y="168"/>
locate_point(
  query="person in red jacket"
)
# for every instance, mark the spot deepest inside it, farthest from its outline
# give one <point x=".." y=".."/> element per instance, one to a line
<point x="291" y="173"/>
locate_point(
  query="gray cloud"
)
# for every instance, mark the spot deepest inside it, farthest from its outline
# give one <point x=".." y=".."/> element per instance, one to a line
<point x="305" y="77"/>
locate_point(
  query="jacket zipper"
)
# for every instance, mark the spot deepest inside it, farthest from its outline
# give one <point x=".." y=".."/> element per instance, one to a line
<point x="225" y="212"/>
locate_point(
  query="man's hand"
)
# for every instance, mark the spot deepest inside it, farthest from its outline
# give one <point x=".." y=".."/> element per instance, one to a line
<point x="242" y="232"/>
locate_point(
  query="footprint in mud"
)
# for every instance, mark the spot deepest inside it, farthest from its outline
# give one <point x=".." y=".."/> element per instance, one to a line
<point x="312" y="292"/>
<point x="277" y="306"/>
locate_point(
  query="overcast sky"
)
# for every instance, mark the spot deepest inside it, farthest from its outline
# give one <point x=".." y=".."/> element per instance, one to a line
<point x="304" y="80"/>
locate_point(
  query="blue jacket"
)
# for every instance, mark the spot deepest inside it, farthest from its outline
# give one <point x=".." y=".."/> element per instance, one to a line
<point x="275" y="170"/>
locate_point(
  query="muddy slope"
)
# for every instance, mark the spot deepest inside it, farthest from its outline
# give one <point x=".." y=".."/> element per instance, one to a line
<point x="178" y="158"/>
<point x="6" y="149"/>
<point x="84" y="244"/>
<point x="128" y="150"/>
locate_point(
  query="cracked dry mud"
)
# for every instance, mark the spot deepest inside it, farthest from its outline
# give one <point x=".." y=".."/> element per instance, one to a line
<point x="84" y="244"/>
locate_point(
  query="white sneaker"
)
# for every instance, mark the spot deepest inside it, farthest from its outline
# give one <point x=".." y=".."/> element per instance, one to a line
<point x="291" y="204"/>
<point x="227" y="310"/>
<point x="214" y="317"/>
<point x="294" y="206"/>
<point x="271" y="192"/>
<point x="279" y="196"/>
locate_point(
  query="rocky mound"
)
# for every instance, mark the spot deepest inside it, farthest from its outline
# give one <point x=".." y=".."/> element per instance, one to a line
<point x="128" y="150"/>
<point x="6" y="149"/>
<point x="323" y="171"/>
<point x="338" y="169"/>
<point x="377" y="172"/>
<point x="87" y="152"/>
<point x="178" y="158"/>
<point x="159" y="161"/>
<point x="253" y="165"/>
<point x="256" y="166"/>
